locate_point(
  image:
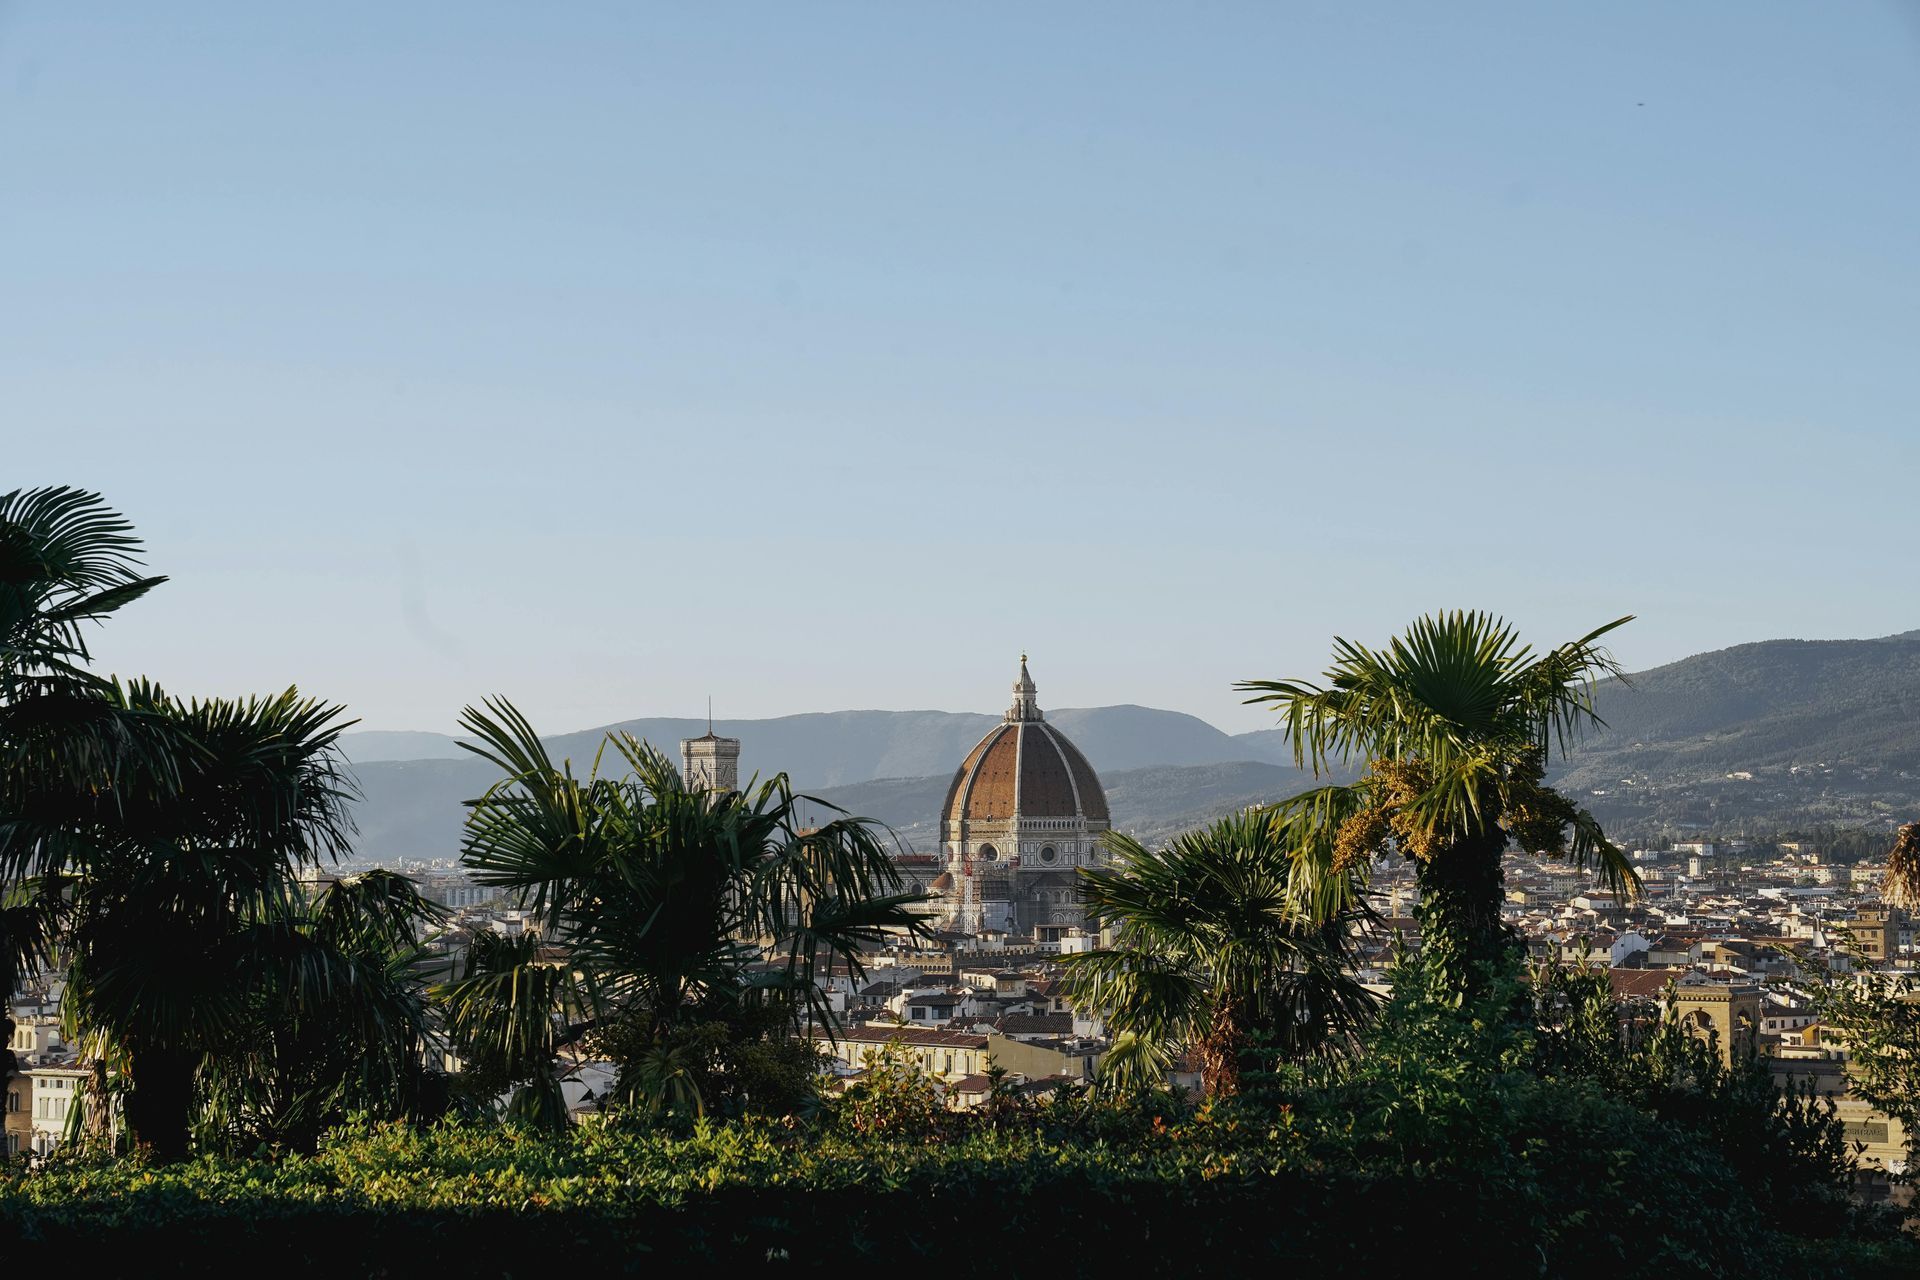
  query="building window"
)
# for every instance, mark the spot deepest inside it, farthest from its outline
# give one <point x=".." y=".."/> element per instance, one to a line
<point x="988" y="853"/>
<point x="1047" y="854"/>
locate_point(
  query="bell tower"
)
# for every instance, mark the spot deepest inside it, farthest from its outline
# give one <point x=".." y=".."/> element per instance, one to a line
<point x="710" y="762"/>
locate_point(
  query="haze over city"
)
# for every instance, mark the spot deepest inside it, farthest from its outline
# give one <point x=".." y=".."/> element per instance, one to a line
<point x="817" y="357"/>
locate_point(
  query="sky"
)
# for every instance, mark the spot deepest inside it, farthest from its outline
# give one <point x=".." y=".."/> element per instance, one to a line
<point x="609" y="357"/>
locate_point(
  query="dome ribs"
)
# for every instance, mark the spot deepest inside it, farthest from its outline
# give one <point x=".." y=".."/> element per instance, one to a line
<point x="1046" y="787"/>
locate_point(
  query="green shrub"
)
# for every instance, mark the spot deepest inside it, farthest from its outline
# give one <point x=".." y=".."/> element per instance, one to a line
<point x="1510" y="1175"/>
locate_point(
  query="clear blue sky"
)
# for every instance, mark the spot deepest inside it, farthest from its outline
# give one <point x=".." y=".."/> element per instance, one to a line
<point x="821" y="356"/>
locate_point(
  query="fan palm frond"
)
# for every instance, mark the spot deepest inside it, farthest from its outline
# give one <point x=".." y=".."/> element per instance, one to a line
<point x="1457" y="719"/>
<point x="1211" y="945"/>
<point x="665" y="899"/>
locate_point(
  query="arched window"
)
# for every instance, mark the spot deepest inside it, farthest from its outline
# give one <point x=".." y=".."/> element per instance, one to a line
<point x="1047" y="854"/>
<point x="988" y="853"/>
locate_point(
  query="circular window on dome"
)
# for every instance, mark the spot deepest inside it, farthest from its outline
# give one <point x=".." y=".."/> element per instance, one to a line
<point x="988" y="853"/>
<point x="1047" y="854"/>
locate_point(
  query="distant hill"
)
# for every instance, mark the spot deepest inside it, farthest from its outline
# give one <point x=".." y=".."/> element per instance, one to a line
<point x="388" y="744"/>
<point x="1154" y="804"/>
<point x="1775" y="702"/>
<point x="1761" y="737"/>
<point x="414" y="808"/>
<point x="1828" y="730"/>
<point x="835" y="747"/>
<point x="412" y="798"/>
<point x="1270" y="745"/>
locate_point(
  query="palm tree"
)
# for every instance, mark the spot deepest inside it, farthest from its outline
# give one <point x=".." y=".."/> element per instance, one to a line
<point x="660" y="909"/>
<point x="182" y="892"/>
<point x="1212" y="952"/>
<point x="1903" y="867"/>
<point x="66" y="560"/>
<point x="155" y="847"/>
<point x="1456" y="721"/>
<point x="336" y="1017"/>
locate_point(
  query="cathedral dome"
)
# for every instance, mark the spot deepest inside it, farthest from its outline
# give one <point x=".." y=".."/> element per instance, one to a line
<point x="1024" y="818"/>
<point x="1024" y="768"/>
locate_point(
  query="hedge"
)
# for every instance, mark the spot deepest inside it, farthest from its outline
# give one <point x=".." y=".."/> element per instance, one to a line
<point x="1571" y="1185"/>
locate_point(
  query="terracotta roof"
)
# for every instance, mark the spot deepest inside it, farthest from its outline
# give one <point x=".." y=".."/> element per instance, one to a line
<point x="1093" y="797"/>
<point x="1046" y="787"/>
<point x="922" y="1036"/>
<point x="1639" y="983"/>
<point x="983" y="785"/>
<point x="1028" y="765"/>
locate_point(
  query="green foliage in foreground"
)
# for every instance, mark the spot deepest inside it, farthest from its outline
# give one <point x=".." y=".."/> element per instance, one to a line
<point x="1526" y="1176"/>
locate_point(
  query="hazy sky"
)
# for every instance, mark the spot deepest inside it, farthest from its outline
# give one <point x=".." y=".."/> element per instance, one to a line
<point x="819" y="356"/>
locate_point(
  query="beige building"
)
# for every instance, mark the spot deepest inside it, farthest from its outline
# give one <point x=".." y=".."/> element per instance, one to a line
<point x="958" y="1060"/>
<point x="946" y="1056"/>
<point x="18" y="1127"/>
<point x="1882" y="1138"/>
<point x="1730" y="1013"/>
<point x="1024" y="813"/>
<point x="1875" y="930"/>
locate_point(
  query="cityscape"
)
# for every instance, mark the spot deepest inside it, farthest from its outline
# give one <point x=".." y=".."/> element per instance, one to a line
<point x="1069" y="641"/>
<point x="1717" y="934"/>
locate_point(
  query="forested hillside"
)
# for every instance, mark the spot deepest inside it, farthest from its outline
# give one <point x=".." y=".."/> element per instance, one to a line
<point x="1781" y="733"/>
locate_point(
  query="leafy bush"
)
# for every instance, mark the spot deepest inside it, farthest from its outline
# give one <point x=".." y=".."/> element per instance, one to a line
<point x="1554" y="1177"/>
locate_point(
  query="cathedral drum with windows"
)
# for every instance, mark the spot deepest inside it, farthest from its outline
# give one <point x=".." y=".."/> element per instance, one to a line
<point x="1025" y="811"/>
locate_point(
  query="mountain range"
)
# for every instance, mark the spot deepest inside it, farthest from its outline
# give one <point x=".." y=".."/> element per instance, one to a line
<point x="832" y="748"/>
<point x="1771" y="736"/>
<point x="1767" y="736"/>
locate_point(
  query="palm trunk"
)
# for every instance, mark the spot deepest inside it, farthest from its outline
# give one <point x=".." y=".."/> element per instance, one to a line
<point x="1460" y="926"/>
<point x="99" y="1108"/>
<point x="160" y="1105"/>
<point x="1219" y="1051"/>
